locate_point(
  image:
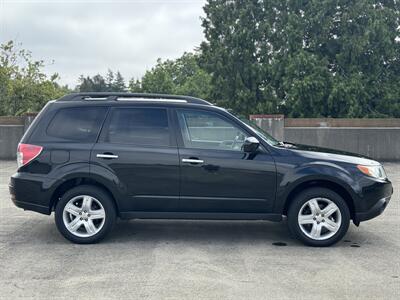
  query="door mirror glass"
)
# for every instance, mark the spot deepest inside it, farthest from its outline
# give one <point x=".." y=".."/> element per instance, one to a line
<point x="250" y="144"/>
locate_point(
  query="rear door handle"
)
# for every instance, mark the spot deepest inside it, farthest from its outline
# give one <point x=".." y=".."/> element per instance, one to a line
<point x="192" y="161"/>
<point x="106" y="156"/>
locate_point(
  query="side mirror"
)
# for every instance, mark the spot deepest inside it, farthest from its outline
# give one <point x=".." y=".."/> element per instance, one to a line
<point x="250" y="144"/>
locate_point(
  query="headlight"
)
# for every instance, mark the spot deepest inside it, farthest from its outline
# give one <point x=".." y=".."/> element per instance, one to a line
<point x="373" y="171"/>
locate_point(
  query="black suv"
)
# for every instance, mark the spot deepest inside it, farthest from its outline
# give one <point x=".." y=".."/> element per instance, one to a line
<point x="93" y="157"/>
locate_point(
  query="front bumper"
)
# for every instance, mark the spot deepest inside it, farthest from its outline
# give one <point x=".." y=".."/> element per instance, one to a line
<point x="373" y="212"/>
<point x="372" y="199"/>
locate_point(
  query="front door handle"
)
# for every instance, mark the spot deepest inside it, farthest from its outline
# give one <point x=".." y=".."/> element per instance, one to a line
<point x="192" y="161"/>
<point x="106" y="156"/>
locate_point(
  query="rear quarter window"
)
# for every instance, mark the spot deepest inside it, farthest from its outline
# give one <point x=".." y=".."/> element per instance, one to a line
<point x="76" y="124"/>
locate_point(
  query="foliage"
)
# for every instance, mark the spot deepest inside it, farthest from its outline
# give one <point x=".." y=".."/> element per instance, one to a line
<point x="305" y="58"/>
<point x="119" y="83"/>
<point x="181" y="76"/>
<point x="112" y="82"/>
<point x="24" y="87"/>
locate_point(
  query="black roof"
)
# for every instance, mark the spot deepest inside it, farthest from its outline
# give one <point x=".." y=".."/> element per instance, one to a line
<point x="113" y="96"/>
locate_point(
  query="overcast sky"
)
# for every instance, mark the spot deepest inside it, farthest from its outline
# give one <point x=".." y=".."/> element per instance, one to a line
<point x="88" y="37"/>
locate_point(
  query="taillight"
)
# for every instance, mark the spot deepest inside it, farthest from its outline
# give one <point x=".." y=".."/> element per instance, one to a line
<point x="26" y="153"/>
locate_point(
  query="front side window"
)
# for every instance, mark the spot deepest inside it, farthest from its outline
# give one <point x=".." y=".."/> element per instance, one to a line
<point x="208" y="130"/>
<point x="138" y="126"/>
<point x="77" y="124"/>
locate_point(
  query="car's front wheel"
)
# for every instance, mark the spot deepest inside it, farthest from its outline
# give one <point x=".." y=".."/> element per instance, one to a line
<point x="85" y="214"/>
<point x="319" y="217"/>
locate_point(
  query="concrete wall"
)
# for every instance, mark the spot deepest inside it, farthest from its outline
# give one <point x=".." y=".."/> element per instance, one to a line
<point x="273" y="124"/>
<point x="379" y="143"/>
<point x="9" y="139"/>
<point x="341" y="122"/>
<point x="11" y="131"/>
<point x="377" y="138"/>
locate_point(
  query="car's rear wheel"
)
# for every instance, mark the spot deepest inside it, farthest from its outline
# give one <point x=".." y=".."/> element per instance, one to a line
<point x="85" y="214"/>
<point x="319" y="217"/>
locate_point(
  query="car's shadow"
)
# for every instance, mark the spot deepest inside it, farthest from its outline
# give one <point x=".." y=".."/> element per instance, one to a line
<point x="42" y="230"/>
<point x="235" y="233"/>
<point x="200" y="231"/>
<point x="187" y="231"/>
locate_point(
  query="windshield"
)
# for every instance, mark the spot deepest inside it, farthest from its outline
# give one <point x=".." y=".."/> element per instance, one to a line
<point x="261" y="132"/>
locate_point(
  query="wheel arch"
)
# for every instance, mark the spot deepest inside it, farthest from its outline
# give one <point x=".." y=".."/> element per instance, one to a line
<point x="334" y="186"/>
<point x="77" y="181"/>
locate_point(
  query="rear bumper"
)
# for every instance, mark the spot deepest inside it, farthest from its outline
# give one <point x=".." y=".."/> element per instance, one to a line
<point x="27" y="192"/>
<point x="373" y="212"/>
<point x="33" y="207"/>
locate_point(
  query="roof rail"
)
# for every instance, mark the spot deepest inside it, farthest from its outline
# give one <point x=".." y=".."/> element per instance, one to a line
<point x="114" y="96"/>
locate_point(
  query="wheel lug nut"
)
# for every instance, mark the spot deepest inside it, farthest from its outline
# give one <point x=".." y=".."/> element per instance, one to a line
<point x="314" y="218"/>
<point x="81" y="219"/>
<point x="323" y="220"/>
<point x="317" y="222"/>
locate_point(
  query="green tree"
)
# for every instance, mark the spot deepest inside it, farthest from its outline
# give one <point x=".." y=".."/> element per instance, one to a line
<point x="119" y="83"/>
<point x="232" y="53"/>
<point x="180" y="76"/>
<point x="335" y="58"/>
<point x="24" y="87"/>
<point x="97" y="83"/>
<point x="110" y="80"/>
<point x="159" y="79"/>
<point x="135" y="86"/>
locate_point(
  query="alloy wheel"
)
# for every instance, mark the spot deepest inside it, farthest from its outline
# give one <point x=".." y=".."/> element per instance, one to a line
<point x="84" y="216"/>
<point x="319" y="218"/>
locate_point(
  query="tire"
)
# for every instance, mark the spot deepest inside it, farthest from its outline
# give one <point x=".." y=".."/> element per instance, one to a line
<point x="321" y="226"/>
<point x="89" y="213"/>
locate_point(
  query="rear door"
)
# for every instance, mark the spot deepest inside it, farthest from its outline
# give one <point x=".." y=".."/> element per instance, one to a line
<point x="216" y="175"/>
<point x="139" y="147"/>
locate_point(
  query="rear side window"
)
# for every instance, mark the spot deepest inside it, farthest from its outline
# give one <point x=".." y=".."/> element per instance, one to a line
<point x="77" y="124"/>
<point x="138" y="126"/>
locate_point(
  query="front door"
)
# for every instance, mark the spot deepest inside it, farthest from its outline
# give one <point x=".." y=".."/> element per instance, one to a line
<point x="138" y="146"/>
<point x="216" y="175"/>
